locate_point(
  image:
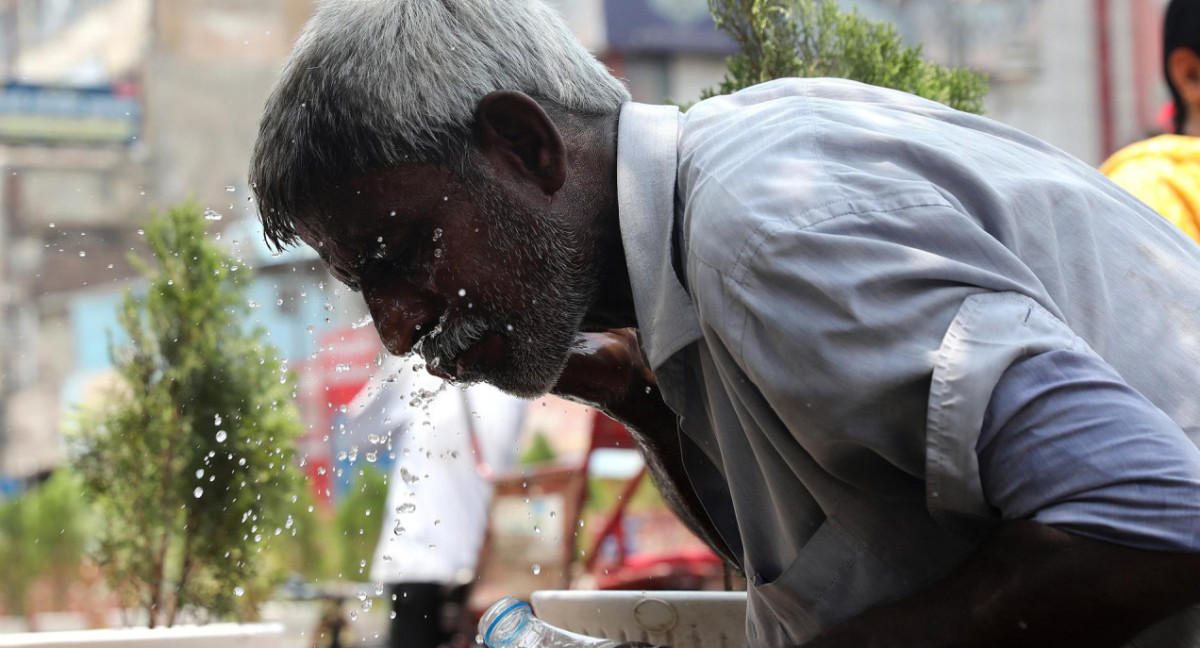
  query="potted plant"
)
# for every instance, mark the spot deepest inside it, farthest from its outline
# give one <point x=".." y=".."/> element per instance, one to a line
<point x="188" y="464"/>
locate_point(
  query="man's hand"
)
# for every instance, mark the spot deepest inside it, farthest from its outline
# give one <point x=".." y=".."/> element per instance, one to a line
<point x="606" y="370"/>
<point x="1033" y="586"/>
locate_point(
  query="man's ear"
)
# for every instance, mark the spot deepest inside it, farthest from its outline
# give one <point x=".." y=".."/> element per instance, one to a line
<point x="517" y="136"/>
<point x="1183" y="67"/>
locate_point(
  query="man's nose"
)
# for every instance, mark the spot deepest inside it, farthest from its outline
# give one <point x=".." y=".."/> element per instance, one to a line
<point x="401" y="320"/>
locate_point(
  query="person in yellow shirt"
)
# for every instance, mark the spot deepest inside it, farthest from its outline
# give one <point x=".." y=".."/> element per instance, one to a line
<point x="1164" y="171"/>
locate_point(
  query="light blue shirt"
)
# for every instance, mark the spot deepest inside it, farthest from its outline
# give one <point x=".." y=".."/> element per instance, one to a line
<point x="864" y="270"/>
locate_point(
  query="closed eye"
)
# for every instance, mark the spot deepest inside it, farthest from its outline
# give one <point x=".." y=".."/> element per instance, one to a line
<point x="343" y="277"/>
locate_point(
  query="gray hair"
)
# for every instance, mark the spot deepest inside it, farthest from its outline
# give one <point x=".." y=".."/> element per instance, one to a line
<point x="373" y="83"/>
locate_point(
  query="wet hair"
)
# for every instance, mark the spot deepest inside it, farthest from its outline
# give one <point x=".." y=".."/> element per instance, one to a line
<point x="1181" y="28"/>
<point x="375" y="83"/>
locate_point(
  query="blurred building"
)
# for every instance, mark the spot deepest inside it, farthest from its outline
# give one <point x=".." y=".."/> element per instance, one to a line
<point x="111" y="108"/>
<point x="1084" y="75"/>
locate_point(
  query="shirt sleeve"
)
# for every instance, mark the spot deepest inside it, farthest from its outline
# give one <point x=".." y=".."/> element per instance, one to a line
<point x="1067" y="443"/>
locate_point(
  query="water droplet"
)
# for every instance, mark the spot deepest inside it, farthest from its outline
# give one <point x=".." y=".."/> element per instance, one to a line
<point x="342" y="368"/>
<point x="366" y="605"/>
<point x="364" y="321"/>
<point x="230" y="188"/>
<point x="211" y="215"/>
<point x="216" y="419"/>
<point x="199" y="473"/>
<point x="239" y="591"/>
<point x="221" y="436"/>
<point x="437" y="253"/>
<point x="407" y="507"/>
<point x="251" y="303"/>
<point x="198" y="492"/>
<point x="399" y="530"/>
<point x="462" y="292"/>
<point x="537" y="569"/>
<point x="437" y="233"/>
<point x="82" y="253"/>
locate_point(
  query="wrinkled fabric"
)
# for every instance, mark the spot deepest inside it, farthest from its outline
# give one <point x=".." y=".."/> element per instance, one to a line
<point x="861" y="267"/>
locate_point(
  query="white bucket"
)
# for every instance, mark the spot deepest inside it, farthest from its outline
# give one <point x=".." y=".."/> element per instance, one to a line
<point x="666" y="618"/>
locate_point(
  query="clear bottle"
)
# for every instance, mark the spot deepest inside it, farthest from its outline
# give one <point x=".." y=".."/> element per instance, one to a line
<point x="509" y="623"/>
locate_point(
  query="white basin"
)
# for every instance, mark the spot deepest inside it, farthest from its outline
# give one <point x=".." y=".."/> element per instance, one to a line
<point x="661" y="618"/>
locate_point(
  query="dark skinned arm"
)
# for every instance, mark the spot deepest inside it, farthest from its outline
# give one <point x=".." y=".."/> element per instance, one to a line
<point x="606" y="370"/>
<point x="1032" y="585"/>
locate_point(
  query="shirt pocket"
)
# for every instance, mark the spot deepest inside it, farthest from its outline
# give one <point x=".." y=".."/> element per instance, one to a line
<point x="834" y="577"/>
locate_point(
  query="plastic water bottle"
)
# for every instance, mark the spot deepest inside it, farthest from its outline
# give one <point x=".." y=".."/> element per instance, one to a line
<point x="509" y="623"/>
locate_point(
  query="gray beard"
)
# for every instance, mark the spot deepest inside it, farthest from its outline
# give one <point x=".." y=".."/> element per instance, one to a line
<point x="544" y="306"/>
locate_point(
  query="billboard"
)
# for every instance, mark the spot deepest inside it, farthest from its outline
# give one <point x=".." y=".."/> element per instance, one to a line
<point x="31" y="113"/>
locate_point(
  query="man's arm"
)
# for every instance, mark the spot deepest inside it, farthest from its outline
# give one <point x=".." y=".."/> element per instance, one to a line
<point x="1101" y="491"/>
<point x="1033" y="585"/>
<point x="607" y="371"/>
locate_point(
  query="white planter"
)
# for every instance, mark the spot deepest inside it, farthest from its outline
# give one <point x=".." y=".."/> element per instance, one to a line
<point x="661" y="618"/>
<point x="224" y="635"/>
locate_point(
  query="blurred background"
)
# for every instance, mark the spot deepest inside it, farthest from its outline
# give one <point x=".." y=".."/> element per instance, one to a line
<point x="112" y="108"/>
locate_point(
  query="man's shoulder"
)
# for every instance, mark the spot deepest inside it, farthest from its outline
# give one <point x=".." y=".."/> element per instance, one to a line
<point x="790" y="154"/>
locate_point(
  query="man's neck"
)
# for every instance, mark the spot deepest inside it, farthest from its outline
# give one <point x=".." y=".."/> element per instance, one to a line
<point x="613" y="307"/>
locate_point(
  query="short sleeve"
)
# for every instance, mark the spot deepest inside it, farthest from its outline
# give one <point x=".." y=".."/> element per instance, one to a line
<point x="989" y="332"/>
<point x="1066" y="442"/>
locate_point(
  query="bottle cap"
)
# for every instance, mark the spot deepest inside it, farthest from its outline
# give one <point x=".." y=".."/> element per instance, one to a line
<point x="487" y="636"/>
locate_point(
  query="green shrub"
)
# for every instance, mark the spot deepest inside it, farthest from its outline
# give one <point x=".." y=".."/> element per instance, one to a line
<point x="43" y="535"/>
<point x="188" y="464"/>
<point x="539" y="450"/>
<point x="813" y="38"/>
<point x="360" y="519"/>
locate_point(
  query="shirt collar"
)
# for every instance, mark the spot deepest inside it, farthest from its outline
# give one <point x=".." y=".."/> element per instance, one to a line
<point x="647" y="139"/>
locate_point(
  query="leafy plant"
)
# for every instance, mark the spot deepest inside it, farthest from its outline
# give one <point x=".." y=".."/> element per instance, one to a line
<point x="43" y="534"/>
<point x="360" y="520"/>
<point x="189" y="464"/>
<point x="814" y="38"/>
<point x="539" y="450"/>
